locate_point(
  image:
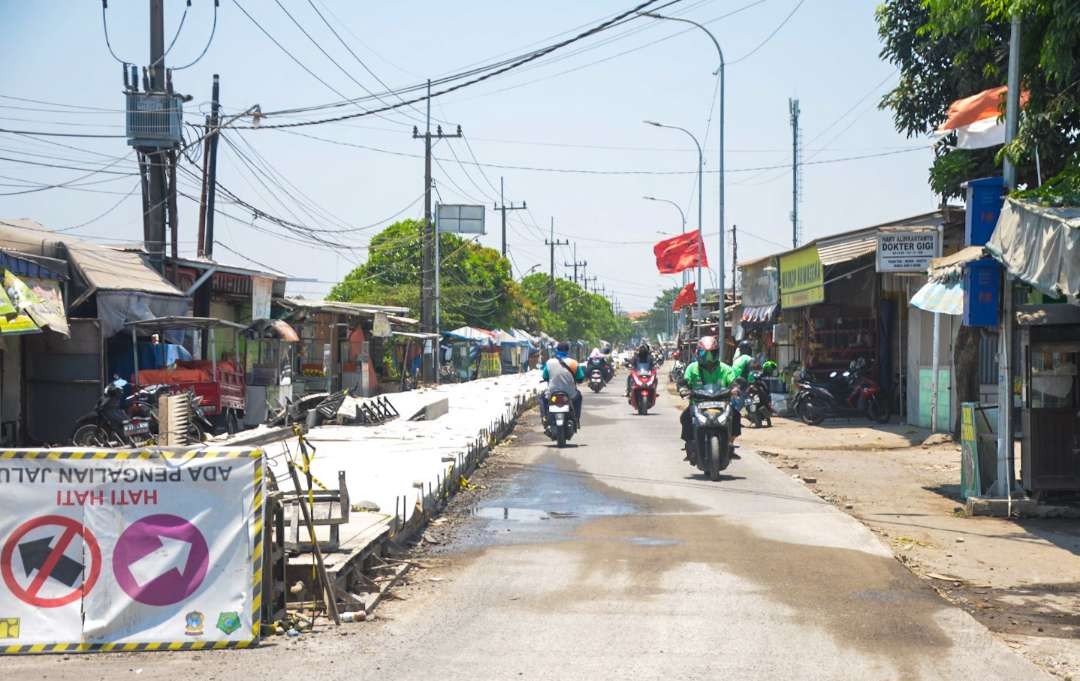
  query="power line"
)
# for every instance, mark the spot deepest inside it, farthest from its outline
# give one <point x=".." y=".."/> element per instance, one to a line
<point x="467" y="83"/>
<point x="213" y="30"/>
<point x="770" y="36"/>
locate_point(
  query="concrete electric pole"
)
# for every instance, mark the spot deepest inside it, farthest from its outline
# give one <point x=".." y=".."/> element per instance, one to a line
<point x="576" y="264"/>
<point x="427" y="273"/>
<point x="552" y="243"/>
<point x="502" y="209"/>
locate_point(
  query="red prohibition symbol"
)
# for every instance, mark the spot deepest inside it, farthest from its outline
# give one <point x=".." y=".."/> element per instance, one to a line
<point x="45" y="557"/>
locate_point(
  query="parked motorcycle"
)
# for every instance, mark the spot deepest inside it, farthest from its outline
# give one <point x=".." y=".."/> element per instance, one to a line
<point x="642" y="388"/>
<point x="561" y="421"/>
<point x="712" y="414"/>
<point x="851" y="393"/>
<point x="109" y="423"/>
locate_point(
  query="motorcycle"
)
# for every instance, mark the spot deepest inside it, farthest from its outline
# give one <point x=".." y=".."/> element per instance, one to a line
<point x="596" y="380"/>
<point x="851" y="393"/>
<point x="711" y="447"/>
<point x="758" y="402"/>
<point x="109" y="424"/>
<point x="561" y="421"/>
<point x="642" y="388"/>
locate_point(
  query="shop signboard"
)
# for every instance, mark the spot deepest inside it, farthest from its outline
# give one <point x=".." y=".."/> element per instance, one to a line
<point x="907" y="250"/>
<point x="802" y="279"/>
<point x="261" y="292"/>
<point x="760" y="283"/>
<point x="130" y="549"/>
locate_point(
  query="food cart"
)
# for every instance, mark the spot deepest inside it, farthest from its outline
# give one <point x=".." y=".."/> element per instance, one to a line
<point x="268" y="367"/>
<point x="218" y="380"/>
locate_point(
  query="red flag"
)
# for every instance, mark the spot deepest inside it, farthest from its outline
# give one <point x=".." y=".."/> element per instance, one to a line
<point x="687" y="296"/>
<point x="680" y="253"/>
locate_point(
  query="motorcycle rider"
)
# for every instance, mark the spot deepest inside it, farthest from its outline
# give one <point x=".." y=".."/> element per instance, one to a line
<point x="609" y="362"/>
<point x="743" y="359"/>
<point x="596" y="361"/>
<point x="643" y="355"/>
<point x="707" y="369"/>
<point x="562" y="373"/>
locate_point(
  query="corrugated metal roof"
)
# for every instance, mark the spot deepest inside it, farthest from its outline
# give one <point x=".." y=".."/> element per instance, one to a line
<point x="838" y="249"/>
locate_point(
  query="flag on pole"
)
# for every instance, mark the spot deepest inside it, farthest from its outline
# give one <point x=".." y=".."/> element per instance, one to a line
<point x="978" y="120"/>
<point x="687" y="296"/>
<point x="680" y="253"/>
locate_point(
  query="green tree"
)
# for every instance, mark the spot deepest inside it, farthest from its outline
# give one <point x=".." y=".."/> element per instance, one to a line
<point x="475" y="282"/>
<point x="578" y="315"/>
<point x="948" y="49"/>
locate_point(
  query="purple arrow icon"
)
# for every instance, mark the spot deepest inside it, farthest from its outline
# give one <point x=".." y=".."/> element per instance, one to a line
<point x="160" y="559"/>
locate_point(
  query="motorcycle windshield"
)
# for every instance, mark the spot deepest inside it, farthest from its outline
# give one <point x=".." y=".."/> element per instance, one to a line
<point x="643" y="368"/>
<point x="711" y="391"/>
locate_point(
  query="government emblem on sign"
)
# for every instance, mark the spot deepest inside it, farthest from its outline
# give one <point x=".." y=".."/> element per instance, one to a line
<point x="228" y="622"/>
<point x="50" y="561"/>
<point x="193" y="623"/>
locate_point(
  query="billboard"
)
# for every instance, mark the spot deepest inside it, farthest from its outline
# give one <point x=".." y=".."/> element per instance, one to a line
<point x="460" y="219"/>
<point x="907" y="250"/>
<point x="130" y="549"/>
<point x="802" y="279"/>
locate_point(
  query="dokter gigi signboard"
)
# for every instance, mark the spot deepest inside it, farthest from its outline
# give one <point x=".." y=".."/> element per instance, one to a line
<point x="122" y="550"/>
<point x="907" y="250"/>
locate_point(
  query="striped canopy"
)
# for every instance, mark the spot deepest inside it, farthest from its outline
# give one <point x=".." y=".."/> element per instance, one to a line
<point x="940" y="297"/>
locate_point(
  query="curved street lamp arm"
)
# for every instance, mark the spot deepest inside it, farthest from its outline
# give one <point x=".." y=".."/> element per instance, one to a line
<point x="719" y="50"/>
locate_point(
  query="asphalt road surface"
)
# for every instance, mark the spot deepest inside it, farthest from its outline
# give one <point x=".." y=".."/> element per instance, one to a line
<point x="613" y="559"/>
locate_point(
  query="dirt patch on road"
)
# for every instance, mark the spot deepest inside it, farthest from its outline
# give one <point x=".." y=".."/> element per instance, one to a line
<point x="1019" y="578"/>
<point x="863" y="601"/>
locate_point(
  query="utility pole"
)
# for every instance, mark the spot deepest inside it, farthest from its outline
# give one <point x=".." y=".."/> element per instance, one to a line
<point x="734" y="258"/>
<point x="793" y="108"/>
<point x="156" y="158"/>
<point x="502" y="209"/>
<point x="576" y="264"/>
<point x="206" y="239"/>
<point x="552" y="243"/>
<point x="586" y="282"/>
<point x="427" y="274"/>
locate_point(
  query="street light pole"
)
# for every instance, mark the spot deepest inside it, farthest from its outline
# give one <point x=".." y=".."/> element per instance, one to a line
<point x="720" y="72"/>
<point x="700" y="204"/>
<point x="682" y="216"/>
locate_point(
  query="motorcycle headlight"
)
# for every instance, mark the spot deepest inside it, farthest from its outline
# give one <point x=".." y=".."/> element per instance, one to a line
<point x="702" y="418"/>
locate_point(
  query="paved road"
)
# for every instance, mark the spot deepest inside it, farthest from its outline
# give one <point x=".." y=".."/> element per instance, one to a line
<point x="614" y="560"/>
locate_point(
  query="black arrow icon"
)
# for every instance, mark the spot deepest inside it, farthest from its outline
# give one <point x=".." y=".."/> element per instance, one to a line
<point x="34" y="554"/>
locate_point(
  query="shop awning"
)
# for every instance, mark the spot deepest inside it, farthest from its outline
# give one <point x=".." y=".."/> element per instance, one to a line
<point x="761" y="314"/>
<point x="845" y="247"/>
<point x="936" y="296"/>
<point x="1039" y="245"/>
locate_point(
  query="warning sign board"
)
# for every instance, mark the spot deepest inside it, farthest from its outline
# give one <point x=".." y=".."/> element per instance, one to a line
<point x="129" y="549"/>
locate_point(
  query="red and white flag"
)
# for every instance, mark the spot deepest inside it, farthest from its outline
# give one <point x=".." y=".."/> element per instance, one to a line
<point x="680" y="253"/>
<point x="687" y="296"/>
<point x="978" y="120"/>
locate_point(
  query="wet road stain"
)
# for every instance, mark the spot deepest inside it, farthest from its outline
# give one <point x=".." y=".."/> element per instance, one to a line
<point x="866" y="602"/>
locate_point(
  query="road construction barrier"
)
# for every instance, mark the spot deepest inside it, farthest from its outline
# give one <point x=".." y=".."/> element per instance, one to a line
<point x="127" y="550"/>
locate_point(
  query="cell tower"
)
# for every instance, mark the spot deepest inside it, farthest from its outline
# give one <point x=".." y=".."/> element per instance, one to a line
<point x="796" y="174"/>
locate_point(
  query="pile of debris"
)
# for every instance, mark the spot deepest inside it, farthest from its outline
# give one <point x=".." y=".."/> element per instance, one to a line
<point x="344" y="407"/>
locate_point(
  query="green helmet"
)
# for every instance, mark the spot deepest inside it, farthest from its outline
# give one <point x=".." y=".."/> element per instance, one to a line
<point x="768" y="368"/>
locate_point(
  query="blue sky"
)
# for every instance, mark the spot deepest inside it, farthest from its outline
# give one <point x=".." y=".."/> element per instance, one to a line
<point x="581" y="108"/>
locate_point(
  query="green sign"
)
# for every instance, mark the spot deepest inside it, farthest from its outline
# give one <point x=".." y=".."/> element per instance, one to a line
<point x="802" y="279"/>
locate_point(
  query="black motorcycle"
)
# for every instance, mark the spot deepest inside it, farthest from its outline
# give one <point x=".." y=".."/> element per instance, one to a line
<point x="109" y="424"/>
<point x="850" y="393"/>
<point x="758" y="402"/>
<point x="596" y="372"/>
<point x="560" y="422"/>
<point x="712" y="415"/>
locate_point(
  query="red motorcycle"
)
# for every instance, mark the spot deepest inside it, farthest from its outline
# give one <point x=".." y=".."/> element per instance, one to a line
<point x="852" y="393"/>
<point x="642" y="388"/>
